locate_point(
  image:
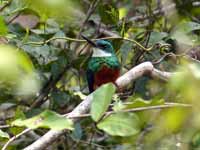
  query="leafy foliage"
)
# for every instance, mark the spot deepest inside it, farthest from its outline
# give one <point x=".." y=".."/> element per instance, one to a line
<point x="109" y="14"/>
<point x="46" y="119"/>
<point x="3" y="27"/>
<point x="120" y="124"/>
<point x="42" y="73"/>
<point x="4" y="134"/>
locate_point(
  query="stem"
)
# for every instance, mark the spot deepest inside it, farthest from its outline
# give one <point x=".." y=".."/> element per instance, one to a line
<point x="78" y="40"/>
<point x="15" y="137"/>
<point x="164" y="106"/>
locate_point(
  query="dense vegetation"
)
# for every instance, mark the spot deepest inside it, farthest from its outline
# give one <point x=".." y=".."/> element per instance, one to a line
<point x="43" y="60"/>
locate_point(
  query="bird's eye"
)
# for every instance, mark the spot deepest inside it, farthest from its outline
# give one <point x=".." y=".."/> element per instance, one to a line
<point x="103" y="46"/>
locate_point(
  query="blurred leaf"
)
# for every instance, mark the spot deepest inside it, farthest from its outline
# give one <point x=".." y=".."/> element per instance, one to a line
<point x="16" y="4"/>
<point x="18" y="114"/>
<point x="109" y="14"/>
<point x="156" y="37"/>
<point x="29" y="85"/>
<point x="59" y="9"/>
<point x="183" y="33"/>
<point x="3" y="27"/>
<point x="27" y="20"/>
<point x="77" y="132"/>
<point x="195" y="144"/>
<point x="147" y="115"/>
<point x="60" y="98"/>
<point x="32" y="112"/>
<point x="122" y="12"/>
<point x="4" y="134"/>
<point x="17" y="71"/>
<point x="102" y="98"/>
<point x="51" y="27"/>
<point x="187" y="88"/>
<point x="43" y="54"/>
<point x="140" y="87"/>
<point x="171" y="120"/>
<point x="58" y="66"/>
<point x="188" y="26"/>
<point x="125" y="49"/>
<point x="47" y="119"/>
<point x="120" y="124"/>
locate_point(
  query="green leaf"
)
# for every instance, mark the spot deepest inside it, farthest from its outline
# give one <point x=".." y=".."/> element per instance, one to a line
<point x="156" y="37"/>
<point x="44" y="54"/>
<point x="3" y="27"/>
<point x="121" y="124"/>
<point x="58" y="66"/>
<point x="17" y="72"/>
<point x="59" y="9"/>
<point x="60" y="98"/>
<point x="125" y="50"/>
<point x="195" y="143"/>
<point x="109" y="14"/>
<point x="77" y="133"/>
<point x="4" y="134"/>
<point x="51" y="27"/>
<point x="101" y="99"/>
<point x="47" y="119"/>
<point x="188" y="26"/>
<point x="13" y="62"/>
<point x="122" y="12"/>
<point x="183" y="32"/>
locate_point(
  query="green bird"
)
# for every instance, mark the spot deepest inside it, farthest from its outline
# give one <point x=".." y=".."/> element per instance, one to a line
<point x="103" y="65"/>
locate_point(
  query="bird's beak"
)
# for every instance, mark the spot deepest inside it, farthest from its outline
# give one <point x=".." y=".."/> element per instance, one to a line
<point x="89" y="41"/>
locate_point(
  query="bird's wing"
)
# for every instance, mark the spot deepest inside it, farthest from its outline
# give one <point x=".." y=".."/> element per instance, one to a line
<point x="90" y="80"/>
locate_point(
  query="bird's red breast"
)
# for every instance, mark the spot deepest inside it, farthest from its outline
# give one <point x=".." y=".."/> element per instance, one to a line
<point x="105" y="75"/>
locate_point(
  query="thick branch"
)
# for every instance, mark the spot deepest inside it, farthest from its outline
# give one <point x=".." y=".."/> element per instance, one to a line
<point x="145" y="68"/>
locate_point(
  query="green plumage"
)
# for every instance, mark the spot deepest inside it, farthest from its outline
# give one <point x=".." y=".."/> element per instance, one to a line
<point x="95" y="63"/>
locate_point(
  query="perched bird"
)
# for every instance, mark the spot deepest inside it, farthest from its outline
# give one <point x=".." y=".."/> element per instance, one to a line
<point x="103" y="65"/>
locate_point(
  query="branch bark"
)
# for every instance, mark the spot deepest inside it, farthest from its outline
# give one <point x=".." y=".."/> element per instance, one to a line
<point x="145" y="68"/>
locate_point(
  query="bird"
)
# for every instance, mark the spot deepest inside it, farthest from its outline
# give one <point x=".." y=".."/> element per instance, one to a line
<point x="103" y="65"/>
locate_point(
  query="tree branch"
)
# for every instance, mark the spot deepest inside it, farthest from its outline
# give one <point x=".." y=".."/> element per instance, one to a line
<point x="5" y="5"/>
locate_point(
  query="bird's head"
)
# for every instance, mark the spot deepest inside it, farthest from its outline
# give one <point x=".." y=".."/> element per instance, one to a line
<point x="101" y="48"/>
<point x="104" y="45"/>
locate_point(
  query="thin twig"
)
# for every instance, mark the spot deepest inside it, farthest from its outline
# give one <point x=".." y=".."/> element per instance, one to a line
<point x="93" y="144"/>
<point x="4" y="126"/>
<point x="13" y="18"/>
<point x="162" y="58"/>
<point x="15" y="137"/>
<point x="5" y="5"/>
<point x="78" y="40"/>
<point x="47" y="87"/>
<point x="89" y="13"/>
<point x="164" y="106"/>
